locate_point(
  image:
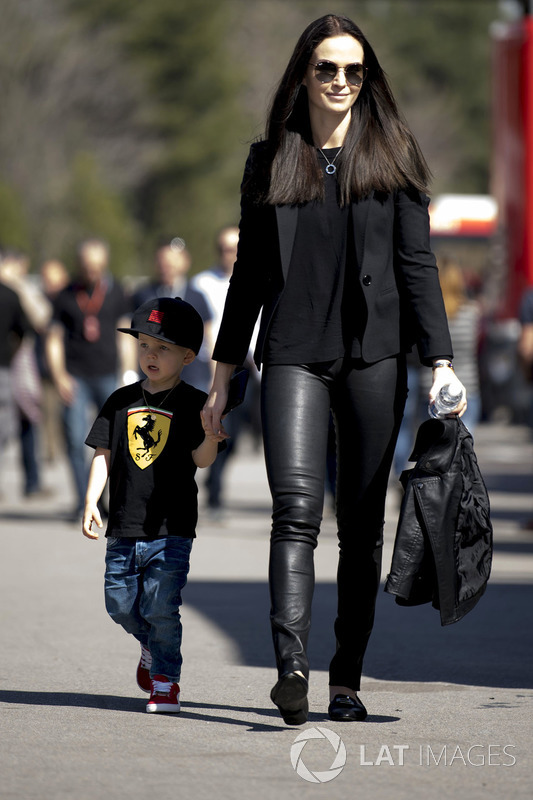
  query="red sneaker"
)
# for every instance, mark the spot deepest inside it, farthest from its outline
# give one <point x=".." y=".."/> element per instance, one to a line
<point x="165" y="696"/>
<point x="143" y="670"/>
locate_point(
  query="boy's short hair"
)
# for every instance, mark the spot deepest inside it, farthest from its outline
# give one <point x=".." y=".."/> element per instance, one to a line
<point x="170" y="319"/>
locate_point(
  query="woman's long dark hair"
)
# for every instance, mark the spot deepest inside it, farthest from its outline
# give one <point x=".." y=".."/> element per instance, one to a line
<point x="379" y="153"/>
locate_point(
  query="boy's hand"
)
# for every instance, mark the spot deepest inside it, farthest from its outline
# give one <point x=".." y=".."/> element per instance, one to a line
<point x="90" y="515"/>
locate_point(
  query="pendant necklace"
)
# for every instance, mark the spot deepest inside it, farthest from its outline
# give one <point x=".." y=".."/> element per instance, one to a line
<point x="331" y="169"/>
<point x="149" y="407"/>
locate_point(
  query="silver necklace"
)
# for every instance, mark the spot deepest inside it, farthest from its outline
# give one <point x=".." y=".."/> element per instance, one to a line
<point x="331" y="169"/>
<point x="150" y="409"/>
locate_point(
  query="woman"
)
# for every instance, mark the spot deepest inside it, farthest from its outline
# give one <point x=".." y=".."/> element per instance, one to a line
<point x="334" y="247"/>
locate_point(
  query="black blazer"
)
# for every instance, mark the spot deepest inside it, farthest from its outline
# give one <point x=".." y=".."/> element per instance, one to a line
<point x="396" y="268"/>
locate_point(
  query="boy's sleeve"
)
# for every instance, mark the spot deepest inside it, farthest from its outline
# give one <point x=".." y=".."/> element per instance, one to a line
<point x="101" y="432"/>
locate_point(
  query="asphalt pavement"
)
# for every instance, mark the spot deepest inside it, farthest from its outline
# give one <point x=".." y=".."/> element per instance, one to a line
<point x="450" y="709"/>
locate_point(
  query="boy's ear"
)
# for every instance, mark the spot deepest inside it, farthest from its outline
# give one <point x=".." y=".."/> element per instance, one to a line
<point x="190" y="355"/>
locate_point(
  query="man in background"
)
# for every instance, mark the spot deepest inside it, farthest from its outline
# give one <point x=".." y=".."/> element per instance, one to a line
<point x="214" y="282"/>
<point x="171" y="267"/>
<point x="85" y="359"/>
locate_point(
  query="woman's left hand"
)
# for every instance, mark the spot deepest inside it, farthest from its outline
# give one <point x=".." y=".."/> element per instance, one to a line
<point x="208" y="430"/>
<point x="213" y="410"/>
<point x="441" y="377"/>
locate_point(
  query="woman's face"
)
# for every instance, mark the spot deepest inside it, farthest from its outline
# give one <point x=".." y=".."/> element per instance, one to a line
<point x="339" y="95"/>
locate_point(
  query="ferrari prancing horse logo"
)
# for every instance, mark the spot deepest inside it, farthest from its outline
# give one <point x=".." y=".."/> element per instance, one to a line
<point x="147" y="434"/>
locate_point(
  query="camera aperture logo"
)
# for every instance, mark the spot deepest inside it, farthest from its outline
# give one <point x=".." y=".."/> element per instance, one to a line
<point x="337" y="746"/>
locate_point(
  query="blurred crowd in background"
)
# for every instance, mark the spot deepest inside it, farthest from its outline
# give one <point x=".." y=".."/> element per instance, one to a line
<point x="61" y="357"/>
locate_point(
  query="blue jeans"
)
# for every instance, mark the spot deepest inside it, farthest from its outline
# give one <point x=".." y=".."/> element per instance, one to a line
<point x="143" y="583"/>
<point x="91" y="394"/>
<point x="232" y="425"/>
<point x="29" y="448"/>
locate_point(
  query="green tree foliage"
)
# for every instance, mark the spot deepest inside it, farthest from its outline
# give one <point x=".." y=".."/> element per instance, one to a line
<point x="132" y="120"/>
<point x="14" y="227"/>
<point x="181" y="49"/>
<point x="65" y="92"/>
<point x="440" y="71"/>
<point x="97" y="210"/>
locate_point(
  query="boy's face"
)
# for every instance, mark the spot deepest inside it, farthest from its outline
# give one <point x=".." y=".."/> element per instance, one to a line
<point x="162" y="362"/>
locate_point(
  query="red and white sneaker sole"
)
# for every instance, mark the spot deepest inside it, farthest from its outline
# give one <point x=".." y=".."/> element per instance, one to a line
<point x="163" y="708"/>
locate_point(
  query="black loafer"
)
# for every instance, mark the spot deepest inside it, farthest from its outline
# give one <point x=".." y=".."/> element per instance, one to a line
<point x="290" y="696"/>
<point x="345" y="709"/>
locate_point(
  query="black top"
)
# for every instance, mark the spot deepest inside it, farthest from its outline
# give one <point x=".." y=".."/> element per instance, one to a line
<point x="393" y="263"/>
<point x="320" y="314"/>
<point x="152" y="491"/>
<point x="88" y="358"/>
<point x="13" y="324"/>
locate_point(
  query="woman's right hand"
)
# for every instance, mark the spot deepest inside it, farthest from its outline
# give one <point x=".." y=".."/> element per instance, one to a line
<point x="217" y="399"/>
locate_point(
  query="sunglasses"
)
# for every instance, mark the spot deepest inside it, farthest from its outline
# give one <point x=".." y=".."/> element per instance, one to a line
<point x="325" y="72"/>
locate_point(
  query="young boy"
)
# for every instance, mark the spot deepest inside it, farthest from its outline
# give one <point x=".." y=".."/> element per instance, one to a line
<point x="149" y="438"/>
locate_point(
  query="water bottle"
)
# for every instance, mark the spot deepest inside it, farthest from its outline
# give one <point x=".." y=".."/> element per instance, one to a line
<point x="446" y="401"/>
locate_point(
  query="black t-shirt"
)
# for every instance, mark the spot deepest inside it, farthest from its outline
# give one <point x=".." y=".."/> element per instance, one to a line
<point x="13" y="324"/>
<point x="152" y="491"/>
<point x="88" y="358"/>
<point x="320" y="314"/>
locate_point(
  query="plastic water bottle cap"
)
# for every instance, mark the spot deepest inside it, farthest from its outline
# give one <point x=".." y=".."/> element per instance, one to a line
<point x="454" y="391"/>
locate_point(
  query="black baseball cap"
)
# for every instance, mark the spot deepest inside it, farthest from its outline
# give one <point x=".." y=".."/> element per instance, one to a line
<point x="170" y="319"/>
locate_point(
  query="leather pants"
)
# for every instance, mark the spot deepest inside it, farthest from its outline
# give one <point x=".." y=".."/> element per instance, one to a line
<point x="367" y="403"/>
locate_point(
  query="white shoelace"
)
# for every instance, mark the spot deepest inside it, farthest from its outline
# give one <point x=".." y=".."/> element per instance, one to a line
<point x="146" y="657"/>
<point x="159" y="687"/>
